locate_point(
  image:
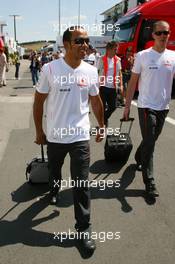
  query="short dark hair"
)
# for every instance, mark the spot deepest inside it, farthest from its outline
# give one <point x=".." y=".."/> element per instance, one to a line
<point x="160" y="22"/>
<point x="67" y="35"/>
<point x="110" y="45"/>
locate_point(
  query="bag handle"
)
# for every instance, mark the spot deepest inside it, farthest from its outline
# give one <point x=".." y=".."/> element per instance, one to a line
<point x="130" y="119"/>
<point x="42" y="153"/>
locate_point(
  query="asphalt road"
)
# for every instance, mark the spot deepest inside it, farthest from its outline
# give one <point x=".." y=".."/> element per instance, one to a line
<point x="28" y="222"/>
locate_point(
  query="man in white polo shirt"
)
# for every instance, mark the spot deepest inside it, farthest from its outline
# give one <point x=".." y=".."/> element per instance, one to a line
<point x="154" y="68"/>
<point x="67" y="85"/>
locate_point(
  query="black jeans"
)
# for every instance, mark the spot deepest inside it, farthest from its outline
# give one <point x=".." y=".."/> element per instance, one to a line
<point x="126" y="78"/>
<point x="108" y="96"/>
<point x="151" y="124"/>
<point x="35" y="78"/>
<point x="17" y="65"/>
<point x="80" y="158"/>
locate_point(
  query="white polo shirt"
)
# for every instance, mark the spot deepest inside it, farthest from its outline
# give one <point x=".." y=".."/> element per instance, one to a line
<point x="67" y="107"/>
<point x="156" y="77"/>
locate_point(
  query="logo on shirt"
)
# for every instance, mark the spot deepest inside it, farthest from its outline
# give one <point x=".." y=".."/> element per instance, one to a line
<point x="65" y="90"/>
<point x="82" y="82"/>
<point x="153" y="67"/>
<point x="167" y="63"/>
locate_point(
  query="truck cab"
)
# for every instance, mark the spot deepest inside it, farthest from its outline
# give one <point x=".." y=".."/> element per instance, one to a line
<point x="134" y="29"/>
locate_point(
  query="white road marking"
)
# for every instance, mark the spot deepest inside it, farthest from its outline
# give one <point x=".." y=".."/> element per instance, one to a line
<point x="168" y="119"/>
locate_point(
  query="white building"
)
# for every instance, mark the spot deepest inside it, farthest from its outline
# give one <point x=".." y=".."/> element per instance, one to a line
<point x="112" y="14"/>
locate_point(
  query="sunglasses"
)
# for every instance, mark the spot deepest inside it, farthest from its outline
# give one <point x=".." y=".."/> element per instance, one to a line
<point x="81" y="41"/>
<point x="159" y="33"/>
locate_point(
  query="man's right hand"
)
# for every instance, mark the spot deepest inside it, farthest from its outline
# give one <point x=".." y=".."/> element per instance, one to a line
<point x="40" y="138"/>
<point x="126" y="113"/>
<point x="100" y="134"/>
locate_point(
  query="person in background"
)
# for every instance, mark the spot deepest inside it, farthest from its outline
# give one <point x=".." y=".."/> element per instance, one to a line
<point x="44" y="58"/>
<point x="154" y="69"/>
<point x="97" y="56"/>
<point x="17" y="64"/>
<point x="56" y="55"/>
<point x="34" y="68"/>
<point x="127" y="64"/>
<point x="6" y="51"/>
<point x="110" y="75"/>
<point x="3" y="67"/>
<point x="61" y="54"/>
<point x="90" y="57"/>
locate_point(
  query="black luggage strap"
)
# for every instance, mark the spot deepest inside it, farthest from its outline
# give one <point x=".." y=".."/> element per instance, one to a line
<point x="42" y="153"/>
<point x="130" y="119"/>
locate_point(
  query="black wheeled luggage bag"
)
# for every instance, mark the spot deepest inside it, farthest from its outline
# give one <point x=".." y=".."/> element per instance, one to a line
<point x="118" y="147"/>
<point x="37" y="170"/>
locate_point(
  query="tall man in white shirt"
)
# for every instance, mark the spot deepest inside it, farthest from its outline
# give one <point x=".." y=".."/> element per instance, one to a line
<point x="154" y="68"/>
<point x="67" y="85"/>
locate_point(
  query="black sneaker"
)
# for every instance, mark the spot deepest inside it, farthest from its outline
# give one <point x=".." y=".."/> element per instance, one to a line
<point x="151" y="190"/>
<point x="87" y="242"/>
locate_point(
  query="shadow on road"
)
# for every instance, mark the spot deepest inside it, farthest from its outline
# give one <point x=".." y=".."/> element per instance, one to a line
<point x="103" y="191"/>
<point x="101" y="167"/>
<point x="121" y="192"/>
<point x="22" y="87"/>
<point x="28" y="192"/>
<point x="20" y="230"/>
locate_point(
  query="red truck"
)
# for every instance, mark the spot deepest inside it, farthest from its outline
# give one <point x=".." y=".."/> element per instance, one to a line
<point x="134" y="29"/>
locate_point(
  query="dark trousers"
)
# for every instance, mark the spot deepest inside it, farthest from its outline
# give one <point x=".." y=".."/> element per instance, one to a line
<point x="34" y="72"/>
<point x="108" y="96"/>
<point x="17" y="70"/>
<point x="126" y="78"/>
<point x="151" y="124"/>
<point x="80" y="158"/>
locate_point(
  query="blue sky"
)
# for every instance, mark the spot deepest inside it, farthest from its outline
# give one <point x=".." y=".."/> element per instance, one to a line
<point x="39" y="18"/>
